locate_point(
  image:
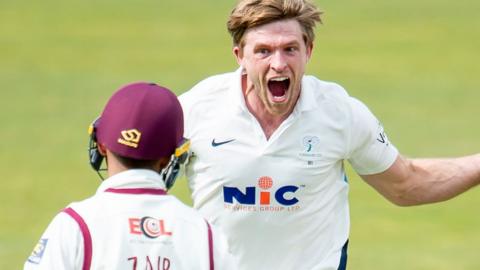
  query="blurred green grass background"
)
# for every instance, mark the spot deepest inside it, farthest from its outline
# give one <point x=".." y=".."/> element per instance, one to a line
<point x="414" y="63"/>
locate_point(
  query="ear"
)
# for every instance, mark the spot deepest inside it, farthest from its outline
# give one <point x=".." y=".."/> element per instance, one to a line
<point x="102" y="149"/>
<point x="309" y="51"/>
<point x="162" y="163"/>
<point x="238" y="53"/>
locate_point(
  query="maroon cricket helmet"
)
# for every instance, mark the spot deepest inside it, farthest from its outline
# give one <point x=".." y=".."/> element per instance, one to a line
<point x="141" y="121"/>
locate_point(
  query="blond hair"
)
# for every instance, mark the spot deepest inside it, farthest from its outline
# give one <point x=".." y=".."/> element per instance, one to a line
<point x="251" y="13"/>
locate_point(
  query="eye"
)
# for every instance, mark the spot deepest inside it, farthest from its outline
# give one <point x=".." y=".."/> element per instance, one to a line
<point x="262" y="51"/>
<point x="291" y="49"/>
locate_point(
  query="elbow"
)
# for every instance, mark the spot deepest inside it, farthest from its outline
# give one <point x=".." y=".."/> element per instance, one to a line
<point x="401" y="202"/>
<point x="401" y="195"/>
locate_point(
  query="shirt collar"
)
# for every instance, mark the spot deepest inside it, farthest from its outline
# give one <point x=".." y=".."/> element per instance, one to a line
<point x="307" y="100"/>
<point x="236" y="95"/>
<point x="133" y="179"/>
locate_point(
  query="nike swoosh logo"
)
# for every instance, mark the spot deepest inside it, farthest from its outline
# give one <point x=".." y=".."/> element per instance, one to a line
<point x="215" y="144"/>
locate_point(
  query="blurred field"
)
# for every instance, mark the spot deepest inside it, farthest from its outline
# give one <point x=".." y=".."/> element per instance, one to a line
<point x="415" y="63"/>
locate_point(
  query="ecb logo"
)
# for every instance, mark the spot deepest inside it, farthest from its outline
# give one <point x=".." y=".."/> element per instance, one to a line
<point x="283" y="195"/>
<point x="148" y="226"/>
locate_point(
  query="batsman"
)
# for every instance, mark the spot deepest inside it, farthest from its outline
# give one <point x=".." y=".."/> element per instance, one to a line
<point x="131" y="222"/>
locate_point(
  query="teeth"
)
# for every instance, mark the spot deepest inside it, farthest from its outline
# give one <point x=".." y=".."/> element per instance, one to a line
<point x="279" y="79"/>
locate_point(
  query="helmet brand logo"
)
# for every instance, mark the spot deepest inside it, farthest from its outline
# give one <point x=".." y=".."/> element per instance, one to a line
<point x="130" y="138"/>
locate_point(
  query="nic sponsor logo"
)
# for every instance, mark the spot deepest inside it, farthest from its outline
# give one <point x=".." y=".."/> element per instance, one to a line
<point x="261" y="197"/>
<point x="148" y="226"/>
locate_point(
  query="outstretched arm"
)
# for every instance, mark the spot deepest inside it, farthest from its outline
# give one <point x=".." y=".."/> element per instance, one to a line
<point x="420" y="181"/>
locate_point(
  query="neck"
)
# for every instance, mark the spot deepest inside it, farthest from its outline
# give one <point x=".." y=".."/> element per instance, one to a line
<point x="268" y="121"/>
<point x="115" y="166"/>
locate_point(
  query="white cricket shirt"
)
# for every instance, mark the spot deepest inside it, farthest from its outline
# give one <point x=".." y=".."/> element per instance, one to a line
<point x="282" y="202"/>
<point x="130" y="223"/>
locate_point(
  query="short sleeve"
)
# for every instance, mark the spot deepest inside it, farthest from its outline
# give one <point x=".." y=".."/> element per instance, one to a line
<point x="370" y="151"/>
<point x="60" y="246"/>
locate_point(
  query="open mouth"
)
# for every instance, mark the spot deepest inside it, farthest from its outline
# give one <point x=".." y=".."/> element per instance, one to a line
<point x="278" y="87"/>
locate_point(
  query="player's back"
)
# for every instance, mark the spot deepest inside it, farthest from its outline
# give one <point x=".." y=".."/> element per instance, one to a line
<point x="145" y="231"/>
<point x="131" y="225"/>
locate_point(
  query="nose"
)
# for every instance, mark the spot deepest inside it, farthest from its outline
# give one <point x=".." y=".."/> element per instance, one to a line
<point x="278" y="62"/>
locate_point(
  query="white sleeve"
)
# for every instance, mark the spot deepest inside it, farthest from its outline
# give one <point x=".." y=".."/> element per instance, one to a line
<point x="370" y="151"/>
<point x="60" y="247"/>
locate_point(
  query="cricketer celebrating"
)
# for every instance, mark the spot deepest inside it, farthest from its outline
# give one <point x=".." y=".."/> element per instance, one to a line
<point x="131" y="222"/>
<point x="269" y="145"/>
